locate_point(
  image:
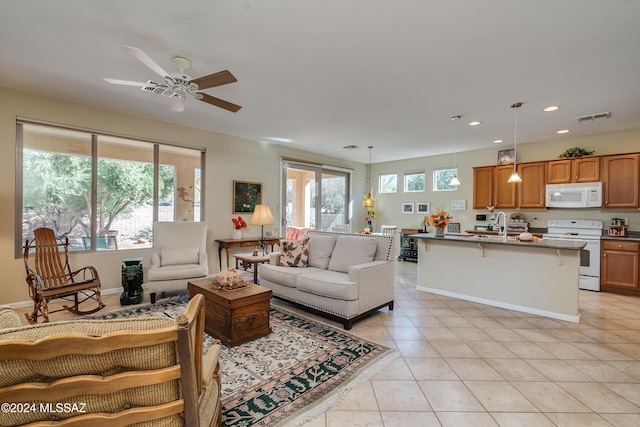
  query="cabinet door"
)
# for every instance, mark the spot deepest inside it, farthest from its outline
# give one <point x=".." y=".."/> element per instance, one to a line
<point x="504" y="192"/>
<point x="619" y="269"/>
<point x="559" y="171"/>
<point x="531" y="191"/>
<point x="482" y="187"/>
<point x="620" y="180"/>
<point x="586" y="169"/>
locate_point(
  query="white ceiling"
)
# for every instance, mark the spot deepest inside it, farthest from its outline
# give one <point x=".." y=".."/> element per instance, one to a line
<point x="326" y="74"/>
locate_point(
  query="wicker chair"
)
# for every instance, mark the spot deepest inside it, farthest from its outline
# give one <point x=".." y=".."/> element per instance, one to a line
<point x="147" y="372"/>
<point x="49" y="278"/>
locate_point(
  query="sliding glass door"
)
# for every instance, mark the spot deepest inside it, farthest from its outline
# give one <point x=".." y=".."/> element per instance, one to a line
<point x="314" y="196"/>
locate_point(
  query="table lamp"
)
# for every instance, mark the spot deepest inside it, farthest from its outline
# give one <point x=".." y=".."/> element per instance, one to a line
<point x="262" y="216"/>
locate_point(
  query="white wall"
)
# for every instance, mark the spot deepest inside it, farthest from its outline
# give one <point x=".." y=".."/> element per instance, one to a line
<point x="228" y="158"/>
<point x="388" y="206"/>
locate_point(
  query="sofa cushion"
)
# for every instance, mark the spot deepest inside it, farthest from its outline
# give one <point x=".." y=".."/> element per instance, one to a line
<point x="172" y="272"/>
<point x="320" y="249"/>
<point x="327" y="283"/>
<point x="286" y="276"/>
<point x="294" y="253"/>
<point x="352" y="250"/>
<point x="178" y="256"/>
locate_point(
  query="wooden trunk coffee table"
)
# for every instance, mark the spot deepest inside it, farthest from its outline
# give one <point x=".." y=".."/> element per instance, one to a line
<point x="236" y="316"/>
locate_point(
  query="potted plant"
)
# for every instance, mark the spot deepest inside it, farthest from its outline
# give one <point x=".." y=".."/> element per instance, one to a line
<point x="575" y="152"/>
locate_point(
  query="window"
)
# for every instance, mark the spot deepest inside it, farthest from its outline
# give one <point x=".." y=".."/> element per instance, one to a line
<point x="315" y="196"/>
<point x="414" y="182"/>
<point x="63" y="168"/>
<point x="442" y="178"/>
<point x="388" y="183"/>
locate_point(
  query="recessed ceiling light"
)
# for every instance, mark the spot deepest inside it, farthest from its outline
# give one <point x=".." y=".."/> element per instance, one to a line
<point x="564" y="131"/>
<point x="550" y="108"/>
<point x="476" y="123"/>
<point x="498" y="141"/>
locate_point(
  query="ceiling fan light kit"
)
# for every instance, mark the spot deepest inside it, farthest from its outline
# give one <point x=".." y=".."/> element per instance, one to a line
<point x="178" y="86"/>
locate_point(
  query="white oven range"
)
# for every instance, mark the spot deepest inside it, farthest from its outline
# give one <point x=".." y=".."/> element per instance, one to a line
<point x="588" y="231"/>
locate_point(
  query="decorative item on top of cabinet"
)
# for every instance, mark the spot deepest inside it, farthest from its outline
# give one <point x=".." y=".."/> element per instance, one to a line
<point x="619" y="271"/>
<point x="621" y="174"/>
<point x="582" y="169"/>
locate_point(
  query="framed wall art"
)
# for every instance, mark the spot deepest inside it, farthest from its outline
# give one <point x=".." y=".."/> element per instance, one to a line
<point x="246" y="195"/>
<point x="423" y="208"/>
<point x="407" y="207"/>
<point x="506" y="156"/>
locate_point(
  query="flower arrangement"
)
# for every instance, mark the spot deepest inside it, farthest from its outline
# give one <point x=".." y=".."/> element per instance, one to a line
<point x="440" y="219"/>
<point x="228" y="280"/>
<point x="239" y="223"/>
<point x="370" y="216"/>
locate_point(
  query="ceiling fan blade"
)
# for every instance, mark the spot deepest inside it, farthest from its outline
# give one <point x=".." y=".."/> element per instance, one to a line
<point x="216" y="79"/>
<point x="125" y="82"/>
<point x="177" y="103"/>
<point x="219" y="102"/>
<point x="146" y="60"/>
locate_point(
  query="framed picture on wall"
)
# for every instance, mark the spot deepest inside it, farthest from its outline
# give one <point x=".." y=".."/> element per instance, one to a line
<point x="246" y="195"/>
<point x="407" y="207"/>
<point x="506" y="156"/>
<point x="423" y="208"/>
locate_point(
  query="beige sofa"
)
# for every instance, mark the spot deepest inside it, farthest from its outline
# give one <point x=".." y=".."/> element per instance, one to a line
<point x="346" y="277"/>
<point x="144" y="371"/>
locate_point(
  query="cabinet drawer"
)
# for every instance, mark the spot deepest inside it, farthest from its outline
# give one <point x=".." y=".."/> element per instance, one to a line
<point x="618" y="245"/>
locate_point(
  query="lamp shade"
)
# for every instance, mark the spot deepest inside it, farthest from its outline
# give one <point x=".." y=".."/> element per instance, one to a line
<point x="368" y="201"/>
<point x="262" y="215"/>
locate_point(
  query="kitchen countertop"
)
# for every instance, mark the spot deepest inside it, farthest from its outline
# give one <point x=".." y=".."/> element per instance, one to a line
<point x="570" y="245"/>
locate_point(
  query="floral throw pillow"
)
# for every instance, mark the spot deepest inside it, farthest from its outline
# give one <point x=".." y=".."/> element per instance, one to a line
<point x="294" y="253"/>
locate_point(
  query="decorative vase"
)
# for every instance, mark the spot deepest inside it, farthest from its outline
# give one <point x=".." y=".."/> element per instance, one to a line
<point x="439" y="231"/>
<point x="236" y="233"/>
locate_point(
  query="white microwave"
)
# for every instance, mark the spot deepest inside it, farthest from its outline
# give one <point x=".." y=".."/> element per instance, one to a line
<point x="580" y="195"/>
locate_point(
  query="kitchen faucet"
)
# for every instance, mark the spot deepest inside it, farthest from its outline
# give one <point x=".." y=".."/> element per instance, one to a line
<point x="504" y="230"/>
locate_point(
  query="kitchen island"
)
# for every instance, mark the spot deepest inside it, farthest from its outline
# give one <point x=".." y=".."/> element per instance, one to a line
<point x="533" y="277"/>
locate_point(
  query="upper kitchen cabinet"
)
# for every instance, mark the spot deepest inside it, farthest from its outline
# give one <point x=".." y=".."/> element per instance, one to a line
<point x="585" y="169"/>
<point x="504" y="192"/>
<point x="531" y="191"/>
<point x="620" y="181"/>
<point x="482" y="187"/>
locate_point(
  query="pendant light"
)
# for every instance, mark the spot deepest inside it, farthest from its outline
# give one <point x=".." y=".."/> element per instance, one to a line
<point x="455" y="181"/>
<point x="514" y="175"/>
<point x="368" y="201"/>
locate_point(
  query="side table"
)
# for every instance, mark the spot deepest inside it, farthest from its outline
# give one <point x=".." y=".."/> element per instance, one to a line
<point x="249" y="260"/>
<point x="228" y="244"/>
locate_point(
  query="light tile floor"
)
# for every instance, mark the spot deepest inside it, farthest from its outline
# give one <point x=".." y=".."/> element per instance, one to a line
<point x="468" y="364"/>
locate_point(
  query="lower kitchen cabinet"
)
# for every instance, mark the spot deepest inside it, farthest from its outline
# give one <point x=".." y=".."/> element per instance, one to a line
<point x="619" y="268"/>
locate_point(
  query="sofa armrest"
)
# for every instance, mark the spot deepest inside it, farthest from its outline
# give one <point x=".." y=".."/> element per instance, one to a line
<point x="155" y="260"/>
<point x="376" y="283"/>
<point x="9" y="318"/>
<point x="202" y="258"/>
<point x="274" y="258"/>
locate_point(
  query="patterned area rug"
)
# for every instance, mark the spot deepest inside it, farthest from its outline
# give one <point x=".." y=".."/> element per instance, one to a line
<point x="288" y="377"/>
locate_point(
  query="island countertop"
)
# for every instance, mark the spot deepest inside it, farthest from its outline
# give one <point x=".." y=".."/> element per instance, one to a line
<point x="571" y="245"/>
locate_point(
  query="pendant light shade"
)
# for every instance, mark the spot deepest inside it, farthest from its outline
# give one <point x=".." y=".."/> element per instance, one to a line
<point x="514" y="175"/>
<point x="455" y="181"/>
<point x="368" y="201"/>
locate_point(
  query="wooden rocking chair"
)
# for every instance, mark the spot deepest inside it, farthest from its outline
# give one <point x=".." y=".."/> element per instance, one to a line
<point x="51" y="279"/>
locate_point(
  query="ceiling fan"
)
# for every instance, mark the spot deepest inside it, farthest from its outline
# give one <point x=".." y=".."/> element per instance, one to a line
<point x="177" y="86"/>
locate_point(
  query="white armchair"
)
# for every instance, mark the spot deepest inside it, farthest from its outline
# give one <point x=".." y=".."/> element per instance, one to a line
<point x="180" y="255"/>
